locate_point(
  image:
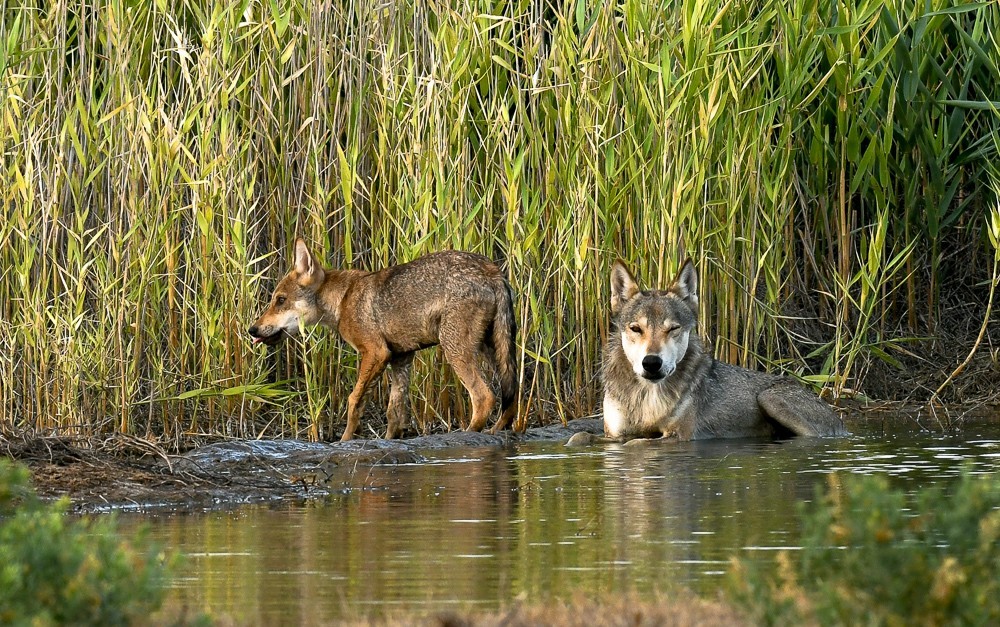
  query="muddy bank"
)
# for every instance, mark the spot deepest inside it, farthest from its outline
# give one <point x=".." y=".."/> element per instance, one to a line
<point x="130" y="474"/>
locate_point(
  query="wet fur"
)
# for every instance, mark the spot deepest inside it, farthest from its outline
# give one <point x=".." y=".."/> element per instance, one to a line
<point x="456" y="299"/>
<point x="701" y="397"/>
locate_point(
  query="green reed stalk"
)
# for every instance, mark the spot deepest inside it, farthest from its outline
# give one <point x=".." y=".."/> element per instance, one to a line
<point x="817" y="158"/>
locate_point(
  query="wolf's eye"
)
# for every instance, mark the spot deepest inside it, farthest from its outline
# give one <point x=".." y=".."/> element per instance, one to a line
<point x="280" y="300"/>
<point x="673" y="328"/>
<point x="634" y="328"/>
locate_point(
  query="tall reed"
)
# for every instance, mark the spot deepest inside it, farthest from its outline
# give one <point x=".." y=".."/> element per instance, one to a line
<point x="818" y="159"/>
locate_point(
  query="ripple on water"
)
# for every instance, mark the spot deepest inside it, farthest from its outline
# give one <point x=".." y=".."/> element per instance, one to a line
<point x="478" y="527"/>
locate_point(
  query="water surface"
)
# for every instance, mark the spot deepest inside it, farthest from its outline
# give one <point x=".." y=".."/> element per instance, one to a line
<point x="480" y="527"/>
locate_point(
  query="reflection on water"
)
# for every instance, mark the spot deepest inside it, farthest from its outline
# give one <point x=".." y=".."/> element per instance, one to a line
<point x="481" y="527"/>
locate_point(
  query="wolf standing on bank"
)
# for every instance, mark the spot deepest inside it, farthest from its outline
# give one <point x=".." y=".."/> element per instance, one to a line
<point x="456" y="299"/>
<point x="659" y="381"/>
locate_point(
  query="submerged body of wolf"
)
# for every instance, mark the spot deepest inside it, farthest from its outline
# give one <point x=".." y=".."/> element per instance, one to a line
<point x="659" y="381"/>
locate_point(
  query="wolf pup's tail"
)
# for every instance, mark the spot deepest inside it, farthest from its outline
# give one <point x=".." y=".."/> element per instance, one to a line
<point x="505" y="349"/>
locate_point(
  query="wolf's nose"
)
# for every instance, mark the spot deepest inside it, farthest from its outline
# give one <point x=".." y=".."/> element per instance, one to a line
<point x="253" y="331"/>
<point x="652" y="363"/>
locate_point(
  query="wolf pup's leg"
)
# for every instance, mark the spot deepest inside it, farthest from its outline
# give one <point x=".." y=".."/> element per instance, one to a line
<point x="483" y="399"/>
<point x="373" y="362"/>
<point x="399" y="398"/>
<point x="462" y="334"/>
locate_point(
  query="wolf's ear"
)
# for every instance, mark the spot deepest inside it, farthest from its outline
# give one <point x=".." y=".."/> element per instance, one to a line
<point x="623" y="286"/>
<point x="309" y="272"/>
<point x="686" y="285"/>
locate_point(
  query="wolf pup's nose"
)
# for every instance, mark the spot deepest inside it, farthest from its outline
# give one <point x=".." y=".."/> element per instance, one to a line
<point x="652" y="363"/>
<point x="253" y="331"/>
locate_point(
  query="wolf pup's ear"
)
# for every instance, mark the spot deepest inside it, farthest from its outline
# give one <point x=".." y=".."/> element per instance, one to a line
<point x="686" y="285"/>
<point x="623" y="286"/>
<point x="309" y="272"/>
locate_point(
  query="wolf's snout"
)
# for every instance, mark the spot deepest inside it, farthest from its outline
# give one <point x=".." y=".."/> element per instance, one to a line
<point x="263" y="334"/>
<point x="254" y="332"/>
<point x="652" y="364"/>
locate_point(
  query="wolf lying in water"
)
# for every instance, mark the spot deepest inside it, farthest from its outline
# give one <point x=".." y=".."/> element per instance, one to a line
<point x="659" y="381"/>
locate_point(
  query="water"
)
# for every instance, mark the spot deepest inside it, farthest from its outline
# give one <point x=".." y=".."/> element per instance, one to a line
<point x="479" y="528"/>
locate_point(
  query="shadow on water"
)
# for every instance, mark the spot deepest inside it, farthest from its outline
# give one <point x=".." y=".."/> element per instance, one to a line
<point x="480" y="527"/>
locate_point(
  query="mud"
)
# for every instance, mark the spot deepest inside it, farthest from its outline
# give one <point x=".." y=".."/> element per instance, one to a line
<point x="130" y="474"/>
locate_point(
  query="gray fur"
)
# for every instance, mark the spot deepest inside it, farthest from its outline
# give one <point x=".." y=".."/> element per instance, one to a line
<point x="702" y="397"/>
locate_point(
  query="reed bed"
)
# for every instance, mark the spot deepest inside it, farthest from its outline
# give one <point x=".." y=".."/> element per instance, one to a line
<point x="824" y="162"/>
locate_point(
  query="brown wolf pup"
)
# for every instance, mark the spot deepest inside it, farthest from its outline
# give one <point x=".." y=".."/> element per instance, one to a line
<point x="660" y="381"/>
<point x="456" y="299"/>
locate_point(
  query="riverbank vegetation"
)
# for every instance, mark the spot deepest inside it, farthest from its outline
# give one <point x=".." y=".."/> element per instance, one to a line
<point x="55" y="570"/>
<point x="873" y="554"/>
<point x="826" y="163"/>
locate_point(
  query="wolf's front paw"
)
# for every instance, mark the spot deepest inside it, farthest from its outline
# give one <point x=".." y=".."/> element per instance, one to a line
<point x="581" y="438"/>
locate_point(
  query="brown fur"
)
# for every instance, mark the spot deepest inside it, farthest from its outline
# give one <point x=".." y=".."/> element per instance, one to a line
<point x="456" y="299"/>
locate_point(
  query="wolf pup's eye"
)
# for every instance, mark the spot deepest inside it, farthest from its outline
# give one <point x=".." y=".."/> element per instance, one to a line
<point x="280" y="300"/>
<point x="673" y="328"/>
<point x="634" y="328"/>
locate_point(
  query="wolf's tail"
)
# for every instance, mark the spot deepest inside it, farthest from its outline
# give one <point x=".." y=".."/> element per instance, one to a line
<point x="505" y="349"/>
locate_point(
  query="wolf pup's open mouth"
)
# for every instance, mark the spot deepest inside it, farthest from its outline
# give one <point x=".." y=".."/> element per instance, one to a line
<point x="269" y="340"/>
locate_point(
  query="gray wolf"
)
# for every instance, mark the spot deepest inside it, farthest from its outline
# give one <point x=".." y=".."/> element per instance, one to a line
<point x="660" y="381"/>
<point x="459" y="300"/>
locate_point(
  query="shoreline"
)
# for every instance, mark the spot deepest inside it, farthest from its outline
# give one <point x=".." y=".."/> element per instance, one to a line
<point x="133" y="475"/>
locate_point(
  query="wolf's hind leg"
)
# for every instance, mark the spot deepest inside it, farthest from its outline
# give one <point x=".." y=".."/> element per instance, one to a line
<point x="483" y="398"/>
<point x="799" y="410"/>
<point x="466" y="366"/>
<point x="399" y="397"/>
<point x="461" y="338"/>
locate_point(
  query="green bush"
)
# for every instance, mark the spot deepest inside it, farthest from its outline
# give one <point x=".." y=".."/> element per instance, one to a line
<point x="56" y="569"/>
<point x="873" y="555"/>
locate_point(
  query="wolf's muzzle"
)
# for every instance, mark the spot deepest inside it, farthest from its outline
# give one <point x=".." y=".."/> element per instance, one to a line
<point x="270" y="340"/>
